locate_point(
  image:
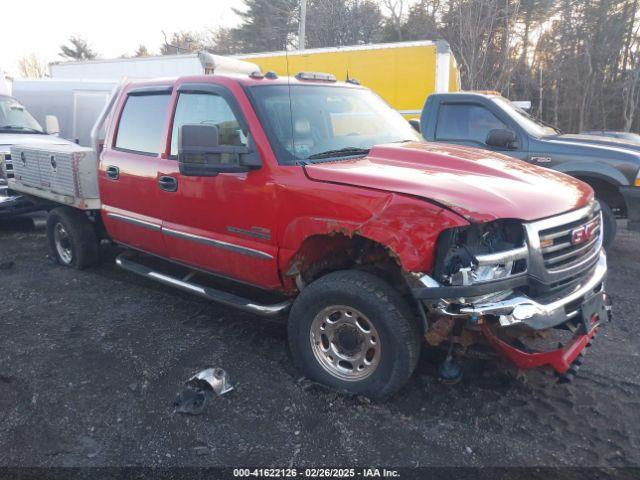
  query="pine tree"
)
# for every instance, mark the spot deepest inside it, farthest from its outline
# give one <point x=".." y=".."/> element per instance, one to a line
<point x="267" y="25"/>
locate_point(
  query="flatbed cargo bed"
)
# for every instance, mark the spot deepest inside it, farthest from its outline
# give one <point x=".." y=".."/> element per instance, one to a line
<point x="64" y="174"/>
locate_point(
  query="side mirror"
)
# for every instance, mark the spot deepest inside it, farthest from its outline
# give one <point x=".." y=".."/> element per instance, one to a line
<point x="52" y="126"/>
<point x="501" y="138"/>
<point x="201" y="155"/>
<point x="415" y="123"/>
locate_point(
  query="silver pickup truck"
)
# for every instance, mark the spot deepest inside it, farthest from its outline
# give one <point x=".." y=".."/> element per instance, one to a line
<point x="18" y="127"/>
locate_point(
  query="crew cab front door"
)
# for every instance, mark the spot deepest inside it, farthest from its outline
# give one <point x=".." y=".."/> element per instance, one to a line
<point x="469" y="124"/>
<point x="129" y="166"/>
<point x="220" y="223"/>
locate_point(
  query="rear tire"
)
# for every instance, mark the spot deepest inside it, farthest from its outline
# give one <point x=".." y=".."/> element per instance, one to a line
<point x="72" y="238"/>
<point x="352" y="331"/>
<point x="609" y="225"/>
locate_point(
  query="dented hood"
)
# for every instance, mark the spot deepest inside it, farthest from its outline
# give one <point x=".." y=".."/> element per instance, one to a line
<point x="477" y="184"/>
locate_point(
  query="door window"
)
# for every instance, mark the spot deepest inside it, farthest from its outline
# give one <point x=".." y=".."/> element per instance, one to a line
<point x="466" y="122"/>
<point x="142" y="122"/>
<point x="210" y="109"/>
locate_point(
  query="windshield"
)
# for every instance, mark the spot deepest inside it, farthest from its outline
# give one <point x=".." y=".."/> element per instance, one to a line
<point x="532" y="125"/>
<point x="14" y="118"/>
<point x="322" y="122"/>
<point x="629" y="137"/>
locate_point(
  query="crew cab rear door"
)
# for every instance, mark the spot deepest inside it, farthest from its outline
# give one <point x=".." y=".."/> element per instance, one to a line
<point x="129" y="166"/>
<point x="223" y="223"/>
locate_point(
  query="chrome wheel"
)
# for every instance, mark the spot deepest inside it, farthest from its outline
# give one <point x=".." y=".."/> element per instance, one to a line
<point x="345" y="343"/>
<point x="63" y="243"/>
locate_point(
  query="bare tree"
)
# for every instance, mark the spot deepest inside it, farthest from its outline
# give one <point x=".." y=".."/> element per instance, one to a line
<point x="334" y="23"/>
<point x="395" y="10"/>
<point x="481" y="35"/>
<point x="181" y="42"/>
<point x="31" y="66"/>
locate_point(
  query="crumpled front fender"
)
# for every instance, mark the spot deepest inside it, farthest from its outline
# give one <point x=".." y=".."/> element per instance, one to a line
<point x="407" y="227"/>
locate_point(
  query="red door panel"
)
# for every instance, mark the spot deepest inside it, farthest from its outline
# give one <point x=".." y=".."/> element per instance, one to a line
<point x="131" y="211"/>
<point x="222" y="224"/>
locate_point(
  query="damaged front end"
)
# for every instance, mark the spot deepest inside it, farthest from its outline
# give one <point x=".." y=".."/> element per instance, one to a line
<point x="510" y="285"/>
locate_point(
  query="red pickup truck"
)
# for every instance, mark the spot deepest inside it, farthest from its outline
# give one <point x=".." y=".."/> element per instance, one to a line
<point x="313" y="197"/>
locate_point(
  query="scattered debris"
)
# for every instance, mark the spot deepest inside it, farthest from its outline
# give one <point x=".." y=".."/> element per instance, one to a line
<point x="215" y="378"/>
<point x="468" y="450"/>
<point x="201" y="388"/>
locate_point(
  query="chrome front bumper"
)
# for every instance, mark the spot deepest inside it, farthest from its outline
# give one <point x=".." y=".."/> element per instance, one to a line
<point x="524" y="310"/>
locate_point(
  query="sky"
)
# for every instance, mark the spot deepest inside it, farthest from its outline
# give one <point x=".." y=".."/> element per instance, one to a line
<point x="112" y="28"/>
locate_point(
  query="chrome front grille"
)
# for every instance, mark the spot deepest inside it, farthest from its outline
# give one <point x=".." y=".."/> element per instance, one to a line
<point x="8" y="166"/>
<point x="567" y="245"/>
<point x="563" y="248"/>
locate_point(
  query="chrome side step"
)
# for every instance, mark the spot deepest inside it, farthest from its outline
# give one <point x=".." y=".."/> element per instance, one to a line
<point x="124" y="261"/>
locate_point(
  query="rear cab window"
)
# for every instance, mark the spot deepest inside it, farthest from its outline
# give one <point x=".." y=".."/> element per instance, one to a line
<point x="142" y="123"/>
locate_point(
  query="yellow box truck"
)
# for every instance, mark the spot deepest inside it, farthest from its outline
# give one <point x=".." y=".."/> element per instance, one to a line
<point x="403" y="73"/>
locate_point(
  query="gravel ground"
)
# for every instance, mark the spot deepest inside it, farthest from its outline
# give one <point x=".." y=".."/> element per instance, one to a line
<point x="91" y="362"/>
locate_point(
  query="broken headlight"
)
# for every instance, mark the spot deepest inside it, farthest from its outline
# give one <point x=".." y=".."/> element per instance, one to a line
<point x="481" y="253"/>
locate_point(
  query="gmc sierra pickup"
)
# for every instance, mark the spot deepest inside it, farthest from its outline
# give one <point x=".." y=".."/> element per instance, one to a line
<point x="610" y="166"/>
<point x="313" y="197"/>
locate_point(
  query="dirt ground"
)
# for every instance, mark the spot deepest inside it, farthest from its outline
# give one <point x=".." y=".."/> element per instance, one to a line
<point x="91" y="362"/>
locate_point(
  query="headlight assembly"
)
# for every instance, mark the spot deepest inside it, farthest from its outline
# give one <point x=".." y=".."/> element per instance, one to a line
<point x="481" y="253"/>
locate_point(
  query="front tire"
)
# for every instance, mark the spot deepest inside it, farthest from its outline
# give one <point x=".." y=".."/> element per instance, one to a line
<point x="72" y="238"/>
<point x="352" y="331"/>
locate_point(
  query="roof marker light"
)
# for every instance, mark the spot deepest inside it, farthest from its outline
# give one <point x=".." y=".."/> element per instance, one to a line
<point x="317" y="76"/>
<point x="271" y="75"/>
<point x="258" y="75"/>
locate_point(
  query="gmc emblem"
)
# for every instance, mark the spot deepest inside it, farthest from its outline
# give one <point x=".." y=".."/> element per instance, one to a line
<point x="583" y="234"/>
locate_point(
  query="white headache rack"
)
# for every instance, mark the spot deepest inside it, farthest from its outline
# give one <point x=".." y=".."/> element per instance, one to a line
<point x="151" y="67"/>
<point x="66" y="174"/>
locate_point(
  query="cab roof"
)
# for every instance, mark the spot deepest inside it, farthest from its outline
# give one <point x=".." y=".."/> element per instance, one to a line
<point x="242" y="79"/>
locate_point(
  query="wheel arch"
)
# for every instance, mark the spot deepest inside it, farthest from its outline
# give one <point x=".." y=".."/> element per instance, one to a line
<point x="605" y="188"/>
<point x="404" y="231"/>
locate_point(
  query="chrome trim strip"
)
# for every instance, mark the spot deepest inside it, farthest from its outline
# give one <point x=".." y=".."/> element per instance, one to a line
<point x="502" y="257"/>
<point x="134" y="221"/>
<point x="522" y="309"/>
<point x="218" y="244"/>
<point x="175" y="282"/>
<point x="573" y="253"/>
<point x="562" y="219"/>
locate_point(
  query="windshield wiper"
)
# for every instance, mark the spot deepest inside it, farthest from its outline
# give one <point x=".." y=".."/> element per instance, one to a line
<point x="341" y="152"/>
<point x="548" y="125"/>
<point x="21" y="128"/>
<point x="539" y="121"/>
